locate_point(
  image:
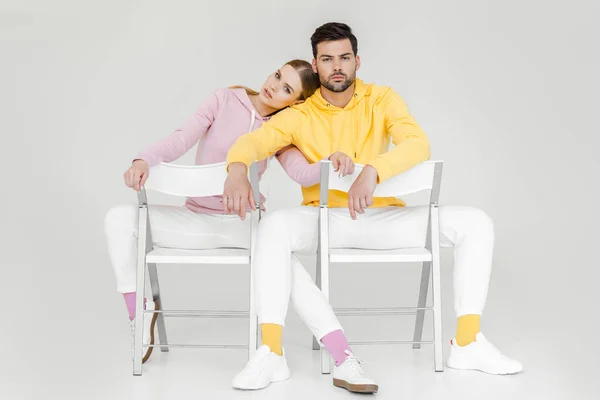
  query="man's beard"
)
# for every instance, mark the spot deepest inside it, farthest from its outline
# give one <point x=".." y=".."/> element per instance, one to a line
<point x="338" y="87"/>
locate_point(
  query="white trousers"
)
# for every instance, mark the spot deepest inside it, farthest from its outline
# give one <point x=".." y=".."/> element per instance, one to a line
<point x="284" y="232"/>
<point x="179" y="227"/>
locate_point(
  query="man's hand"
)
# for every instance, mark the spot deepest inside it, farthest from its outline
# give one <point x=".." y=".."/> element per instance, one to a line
<point x="237" y="193"/>
<point x="342" y="163"/>
<point x="360" y="195"/>
<point x="136" y="175"/>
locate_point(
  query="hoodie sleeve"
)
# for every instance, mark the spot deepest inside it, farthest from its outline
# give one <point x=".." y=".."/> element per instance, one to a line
<point x="261" y="143"/>
<point x="179" y="142"/>
<point x="298" y="168"/>
<point x="411" y="146"/>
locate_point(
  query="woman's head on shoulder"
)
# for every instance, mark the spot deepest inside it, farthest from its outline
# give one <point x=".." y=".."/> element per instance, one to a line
<point x="291" y="84"/>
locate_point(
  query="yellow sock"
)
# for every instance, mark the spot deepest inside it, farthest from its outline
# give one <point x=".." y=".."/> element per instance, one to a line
<point x="467" y="328"/>
<point x="271" y="336"/>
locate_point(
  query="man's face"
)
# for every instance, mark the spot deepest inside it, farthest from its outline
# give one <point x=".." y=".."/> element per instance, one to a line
<point x="336" y="65"/>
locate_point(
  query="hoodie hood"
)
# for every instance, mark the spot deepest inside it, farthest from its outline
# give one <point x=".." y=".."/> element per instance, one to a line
<point x="360" y="90"/>
<point x="332" y="112"/>
<point x="242" y="96"/>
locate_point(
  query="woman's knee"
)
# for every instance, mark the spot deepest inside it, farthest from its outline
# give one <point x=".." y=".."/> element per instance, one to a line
<point x="121" y="217"/>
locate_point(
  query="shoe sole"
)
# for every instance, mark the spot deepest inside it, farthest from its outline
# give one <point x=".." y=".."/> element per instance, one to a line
<point x="152" y="326"/>
<point x="456" y="366"/>
<point x="281" y="378"/>
<point x="355" y="388"/>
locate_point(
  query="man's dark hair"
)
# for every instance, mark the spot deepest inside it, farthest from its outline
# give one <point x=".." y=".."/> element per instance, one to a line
<point x="332" y="31"/>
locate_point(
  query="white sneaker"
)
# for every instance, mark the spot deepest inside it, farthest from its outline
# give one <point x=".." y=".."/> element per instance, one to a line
<point x="262" y="369"/>
<point x="351" y="376"/>
<point x="147" y="333"/>
<point x="483" y="356"/>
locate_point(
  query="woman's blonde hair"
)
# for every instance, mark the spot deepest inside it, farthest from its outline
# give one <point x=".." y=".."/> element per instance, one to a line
<point x="249" y="91"/>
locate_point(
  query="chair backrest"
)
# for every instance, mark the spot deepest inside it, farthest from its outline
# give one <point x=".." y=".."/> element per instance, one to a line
<point x="194" y="180"/>
<point x="424" y="176"/>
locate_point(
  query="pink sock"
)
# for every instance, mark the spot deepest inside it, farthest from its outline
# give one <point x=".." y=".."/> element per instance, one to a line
<point x="130" y="303"/>
<point x="336" y="345"/>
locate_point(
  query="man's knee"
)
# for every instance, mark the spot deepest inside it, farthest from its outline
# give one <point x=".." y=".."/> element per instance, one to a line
<point x="460" y="220"/>
<point x="296" y="227"/>
<point x="477" y="220"/>
<point x="273" y="220"/>
<point x="284" y="220"/>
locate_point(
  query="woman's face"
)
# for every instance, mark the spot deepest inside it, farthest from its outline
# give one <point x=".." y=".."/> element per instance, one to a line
<point x="282" y="88"/>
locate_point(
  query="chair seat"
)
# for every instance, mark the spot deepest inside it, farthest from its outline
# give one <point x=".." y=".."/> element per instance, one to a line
<point x="370" y="256"/>
<point x="161" y="255"/>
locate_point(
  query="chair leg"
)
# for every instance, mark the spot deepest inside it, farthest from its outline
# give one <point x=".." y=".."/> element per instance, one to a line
<point x="315" y="344"/>
<point x="437" y="291"/>
<point x="315" y="341"/>
<point x="324" y="277"/>
<point x="325" y="359"/>
<point x="140" y="284"/>
<point x="253" y="320"/>
<point x="254" y="336"/>
<point x="154" y="285"/>
<point x="253" y="331"/>
<point x="424" y="289"/>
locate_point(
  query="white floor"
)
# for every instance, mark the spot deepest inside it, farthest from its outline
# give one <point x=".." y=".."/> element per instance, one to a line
<point x="78" y="347"/>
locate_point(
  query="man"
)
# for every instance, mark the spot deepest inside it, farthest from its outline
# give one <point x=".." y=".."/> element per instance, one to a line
<point x="358" y="119"/>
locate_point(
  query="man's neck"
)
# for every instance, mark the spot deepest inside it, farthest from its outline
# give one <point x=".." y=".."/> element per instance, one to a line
<point x="338" y="99"/>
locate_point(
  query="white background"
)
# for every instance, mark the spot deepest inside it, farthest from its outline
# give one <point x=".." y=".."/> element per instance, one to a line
<point x="506" y="91"/>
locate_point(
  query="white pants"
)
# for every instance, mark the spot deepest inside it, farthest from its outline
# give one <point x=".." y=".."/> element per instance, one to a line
<point x="284" y="232"/>
<point x="179" y="227"/>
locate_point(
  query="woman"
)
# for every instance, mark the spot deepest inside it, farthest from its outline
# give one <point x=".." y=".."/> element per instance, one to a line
<point x="202" y="224"/>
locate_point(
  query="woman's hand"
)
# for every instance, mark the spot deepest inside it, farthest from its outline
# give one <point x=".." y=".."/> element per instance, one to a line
<point x="342" y="163"/>
<point x="136" y="175"/>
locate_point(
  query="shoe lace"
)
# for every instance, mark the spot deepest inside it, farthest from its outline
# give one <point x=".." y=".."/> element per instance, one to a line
<point x="356" y="366"/>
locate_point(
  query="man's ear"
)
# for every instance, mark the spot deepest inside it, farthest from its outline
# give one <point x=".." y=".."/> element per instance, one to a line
<point x="357" y="63"/>
<point x="299" y="102"/>
<point x="314" y="65"/>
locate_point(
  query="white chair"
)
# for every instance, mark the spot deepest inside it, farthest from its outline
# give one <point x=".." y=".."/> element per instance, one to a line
<point x="425" y="176"/>
<point x="192" y="181"/>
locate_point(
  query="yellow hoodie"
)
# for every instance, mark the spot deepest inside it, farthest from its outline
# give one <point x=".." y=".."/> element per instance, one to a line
<point x="362" y="130"/>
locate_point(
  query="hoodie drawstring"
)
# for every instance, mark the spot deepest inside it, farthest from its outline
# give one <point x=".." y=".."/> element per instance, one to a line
<point x="252" y="119"/>
<point x="355" y="119"/>
<point x="268" y="161"/>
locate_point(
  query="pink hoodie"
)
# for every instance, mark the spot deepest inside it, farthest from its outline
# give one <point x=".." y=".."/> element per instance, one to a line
<point x="226" y="115"/>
